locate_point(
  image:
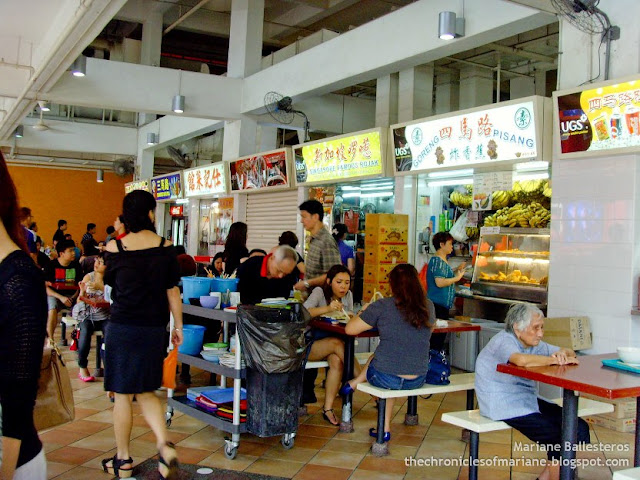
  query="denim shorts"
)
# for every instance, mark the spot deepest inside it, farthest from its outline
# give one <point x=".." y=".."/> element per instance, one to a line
<point x="392" y="382"/>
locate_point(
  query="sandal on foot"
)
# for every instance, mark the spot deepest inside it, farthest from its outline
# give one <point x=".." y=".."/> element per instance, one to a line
<point x="373" y="433"/>
<point x="346" y="389"/>
<point x="326" y="417"/>
<point x="168" y="467"/>
<point x="116" y="466"/>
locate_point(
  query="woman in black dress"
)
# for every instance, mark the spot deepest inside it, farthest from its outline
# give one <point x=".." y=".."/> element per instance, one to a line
<point x="23" y="321"/>
<point x="235" y="248"/>
<point x="143" y="273"/>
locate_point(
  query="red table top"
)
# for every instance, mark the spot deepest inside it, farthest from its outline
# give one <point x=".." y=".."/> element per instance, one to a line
<point x="453" y="326"/>
<point x="64" y="286"/>
<point x="95" y="302"/>
<point x="590" y="376"/>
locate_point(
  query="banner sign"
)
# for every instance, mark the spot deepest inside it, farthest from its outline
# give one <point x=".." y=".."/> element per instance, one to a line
<point x="259" y="172"/>
<point x="167" y="187"/>
<point x="207" y="180"/>
<point x="502" y="133"/>
<point x="339" y="159"/>
<point x="600" y="119"/>
<point x="137" y="185"/>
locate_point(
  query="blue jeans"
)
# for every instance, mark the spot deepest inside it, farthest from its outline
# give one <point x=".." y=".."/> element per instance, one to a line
<point x="392" y="382"/>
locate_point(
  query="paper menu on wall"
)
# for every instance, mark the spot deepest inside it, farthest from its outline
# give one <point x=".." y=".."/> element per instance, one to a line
<point x="484" y="184"/>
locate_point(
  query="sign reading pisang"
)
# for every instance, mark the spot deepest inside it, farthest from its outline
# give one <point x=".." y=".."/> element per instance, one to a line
<point x="342" y="158"/>
<point x="167" y="187"/>
<point x="207" y="180"/>
<point x="137" y="185"/>
<point x="600" y="119"/>
<point x="495" y="134"/>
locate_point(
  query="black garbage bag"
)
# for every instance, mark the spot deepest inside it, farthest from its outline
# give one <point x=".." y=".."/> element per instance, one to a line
<point x="273" y="339"/>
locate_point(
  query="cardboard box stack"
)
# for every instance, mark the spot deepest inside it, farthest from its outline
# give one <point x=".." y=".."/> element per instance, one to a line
<point x="568" y="332"/>
<point x="385" y="246"/>
<point x="623" y="417"/>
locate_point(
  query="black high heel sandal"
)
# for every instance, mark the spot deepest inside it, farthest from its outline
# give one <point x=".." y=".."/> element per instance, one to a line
<point x="168" y="469"/>
<point x="116" y="466"/>
<point x="326" y="417"/>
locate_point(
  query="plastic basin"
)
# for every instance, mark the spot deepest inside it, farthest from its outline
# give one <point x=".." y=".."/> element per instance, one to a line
<point x="209" y="302"/>
<point x="195" y="287"/>
<point x="193" y="336"/>
<point x="224" y="284"/>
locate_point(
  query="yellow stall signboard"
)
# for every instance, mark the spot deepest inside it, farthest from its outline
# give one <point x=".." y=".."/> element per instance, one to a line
<point x="137" y="185"/>
<point x="342" y="158"/>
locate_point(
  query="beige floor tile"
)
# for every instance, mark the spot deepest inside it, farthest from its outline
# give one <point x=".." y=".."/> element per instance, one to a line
<point x="346" y="446"/>
<point x="83" y="473"/>
<point x="270" y="466"/>
<point x="84" y="426"/>
<point x="383" y="464"/>
<point x="348" y="461"/>
<point x="399" y="452"/>
<point x="186" y="424"/>
<point x="441" y="448"/>
<point x="314" y="472"/>
<point x="295" y="454"/>
<point x="218" y="460"/>
<point x="432" y="473"/>
<point x="54" y="469"/>
<point x="103" y="416"/>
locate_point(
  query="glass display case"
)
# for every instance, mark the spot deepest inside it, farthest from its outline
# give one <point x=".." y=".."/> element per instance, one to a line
<point x="512" y="263"/>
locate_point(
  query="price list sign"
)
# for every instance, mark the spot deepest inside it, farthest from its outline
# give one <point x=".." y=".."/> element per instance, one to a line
<point x="484" y="184"/>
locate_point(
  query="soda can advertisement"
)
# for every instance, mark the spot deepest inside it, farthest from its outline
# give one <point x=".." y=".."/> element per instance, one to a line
<point x="603" y="118"/>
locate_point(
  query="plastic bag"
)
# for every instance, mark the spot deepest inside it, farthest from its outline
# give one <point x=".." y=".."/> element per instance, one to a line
<point x="439" y="368"/>
<point x="273" y="339"/>
<point x="459" y="229"/>
<point x="169" y="369"/>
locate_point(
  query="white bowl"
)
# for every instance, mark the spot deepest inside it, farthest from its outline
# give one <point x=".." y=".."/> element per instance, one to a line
<point x="629" y="355"/>
<point x="210" y="357"/>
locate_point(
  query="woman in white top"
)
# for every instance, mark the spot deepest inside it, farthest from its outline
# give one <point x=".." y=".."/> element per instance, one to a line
<point x="334" y="296"/>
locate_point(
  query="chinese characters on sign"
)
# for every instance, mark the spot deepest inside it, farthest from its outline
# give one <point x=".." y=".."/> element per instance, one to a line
<point x="138" y="185"/>
<point x="168" y="187"/>
<point x="501" y="133"/>
<point x="600" y="119"/>
<point x="205" y="180"/>
<point x="347" y="157"/>
<point x="260" y="171"/>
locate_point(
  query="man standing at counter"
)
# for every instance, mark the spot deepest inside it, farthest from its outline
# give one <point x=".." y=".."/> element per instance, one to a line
<point x="267" y="276"/>
<point x="323" y="251"/>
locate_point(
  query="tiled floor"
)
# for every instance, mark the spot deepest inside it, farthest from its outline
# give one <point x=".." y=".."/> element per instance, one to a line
<point x="74" y="451"/>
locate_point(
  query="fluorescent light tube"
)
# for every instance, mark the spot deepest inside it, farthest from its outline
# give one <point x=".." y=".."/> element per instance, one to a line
<point x="451" y="182"/>
<point x="452" y="173"/>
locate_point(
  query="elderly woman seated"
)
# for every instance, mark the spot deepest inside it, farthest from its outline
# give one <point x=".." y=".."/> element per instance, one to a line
<point x="513" y="399"/>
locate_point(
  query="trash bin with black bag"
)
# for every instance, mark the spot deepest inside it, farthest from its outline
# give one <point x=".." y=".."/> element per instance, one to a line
<point x="274" y="348"/>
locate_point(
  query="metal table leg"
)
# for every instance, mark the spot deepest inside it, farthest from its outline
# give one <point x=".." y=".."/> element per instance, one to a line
<point x="346" y="425"/>
<point x="569" y="433"/>
<point x="411" y="417"/>
<point x="636" y="455"/>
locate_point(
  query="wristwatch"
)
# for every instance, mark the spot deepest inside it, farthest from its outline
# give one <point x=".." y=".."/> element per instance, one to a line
<point x="307" y="285"/>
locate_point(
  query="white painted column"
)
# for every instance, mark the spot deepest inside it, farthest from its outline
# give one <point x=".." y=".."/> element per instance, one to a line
<point x="245" y="40"/>
<point x="447" y="93"/>
<point x="476" y="87"/>
<point x="150" y="51"/>
<point x="595" y="225"/>
<point x="144" y="164"/>
<point x="387" y="100"/>
<point x="520" y="87"/>
<point x="415" y="93"/>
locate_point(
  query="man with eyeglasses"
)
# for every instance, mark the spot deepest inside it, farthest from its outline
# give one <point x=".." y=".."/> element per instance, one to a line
<point x="268" y="276"/>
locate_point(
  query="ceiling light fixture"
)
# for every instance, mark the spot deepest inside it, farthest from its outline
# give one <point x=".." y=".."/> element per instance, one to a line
<point x="100" y="177"/>
<point x="367" y="195"/>
<point x="79" y="67"/>
<point x="19" y="131"/>
<point x="44" y="106"/>
<point x="152" y="138"/>
<point x="452" y="182"/>
<point x="465" y="172"/>
<point x="450" y="27"/>
<point x="178" y="100"/>
<point x="530" y="166"/>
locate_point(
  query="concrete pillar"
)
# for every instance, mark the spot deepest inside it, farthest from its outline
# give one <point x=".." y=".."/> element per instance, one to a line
<point x="144" y="164"/>
<point x="522" y="87"/>
<point x="245" y="40"/>
<point x="150" y="51"/>
<point x="540" y="81"/>
<point x="239" y="138"/>
<point x="415" y="93"/>
<point x="387" y="100"/>
<point x="267" y="138"/>
<point x="476" y="87"/>
<point x="447" y="92"/>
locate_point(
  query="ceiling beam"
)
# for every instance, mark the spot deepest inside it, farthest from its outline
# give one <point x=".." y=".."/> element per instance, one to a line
<point x="542" y="5"/>
<point x="537" y="57"/>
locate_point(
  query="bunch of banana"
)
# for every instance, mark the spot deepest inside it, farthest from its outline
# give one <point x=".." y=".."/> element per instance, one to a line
<point x="469" y="189"/>
<point x="532" y="191"/>
<point x="520" y="215"/>
<point x="546" y="191"/>
<point x="460" y="200"/>
<point x="500" y="199"/>
<point x="473" y="233"/>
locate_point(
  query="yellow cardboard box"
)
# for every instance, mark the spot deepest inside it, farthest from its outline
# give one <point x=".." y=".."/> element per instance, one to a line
<point x="568" y="332"/>
<point x="385" y="234"/>
<point x="378" y="272"/>
<point x="622" y="407"/>
<point x="375" y="220"/>
<point x="618" y="424"/>
<point x="374" y="254"/>
<point x="369" y="288"/>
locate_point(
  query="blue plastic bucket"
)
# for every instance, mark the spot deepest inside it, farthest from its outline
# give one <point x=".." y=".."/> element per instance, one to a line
<point x="195" y="287"/>
<point x="193" y="336"/>
<point x="224" y="284"/>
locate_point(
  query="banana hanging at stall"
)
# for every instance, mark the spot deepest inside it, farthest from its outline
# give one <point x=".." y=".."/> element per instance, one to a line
<point x="533" y="215"/>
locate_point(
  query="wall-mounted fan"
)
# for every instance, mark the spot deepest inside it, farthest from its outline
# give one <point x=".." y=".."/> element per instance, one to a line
<point x="180" y="159"/>
<point x="281" y="109"/>
<point x="123" y="167"/>
<point x="587" y="17"/>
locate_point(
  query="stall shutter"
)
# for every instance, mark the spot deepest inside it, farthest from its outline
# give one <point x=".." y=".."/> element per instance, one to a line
<point x="270" y="214"/>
